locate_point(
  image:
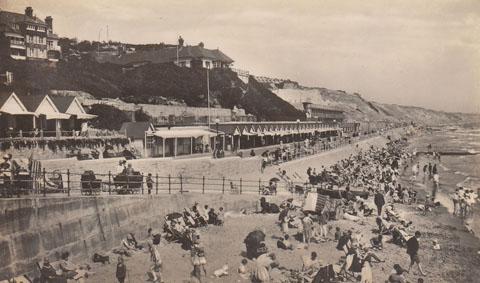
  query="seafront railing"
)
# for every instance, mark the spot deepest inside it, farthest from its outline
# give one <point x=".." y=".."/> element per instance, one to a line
<point x="65" y="183"/>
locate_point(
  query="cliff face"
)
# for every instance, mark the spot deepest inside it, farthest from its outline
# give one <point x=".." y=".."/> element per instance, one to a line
<point x="359" y="109"/>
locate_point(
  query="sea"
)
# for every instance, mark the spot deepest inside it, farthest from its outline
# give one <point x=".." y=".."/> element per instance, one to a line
<point x="455" y="170"/>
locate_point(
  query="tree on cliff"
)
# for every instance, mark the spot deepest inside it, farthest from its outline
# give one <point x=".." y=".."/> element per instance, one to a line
<point x="108" y="117"/>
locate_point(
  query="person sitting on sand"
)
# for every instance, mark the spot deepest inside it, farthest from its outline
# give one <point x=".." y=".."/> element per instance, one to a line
<point x="263" y="264"/>
<point x="285" y="243"/>
<point x="397" y="275"/>
<point x="357" y="239"/>
<point x="69" y="269"/>
<point x="311" y="264"/>
<point x="377" y="242"/>
<point x="368" y="255"/>
<point x="130" y="243"/>
<point x="243" y="269"/>
<point x="344" y="243"/>
<point x="49" y="274"/>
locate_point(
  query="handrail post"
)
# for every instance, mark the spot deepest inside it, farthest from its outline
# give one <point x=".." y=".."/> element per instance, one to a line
<point x="259" y="186"/>
<point x="203" y="185"/>
<point x="142" y="183"/>
<point x="109" y="182"/>
<point x="223" y="185"/>
<point x="128" y="182"/>
<point x="156" y="184"/>
<point x="44" y="183"/>
<point x="181" y="184"/>
<point x="240" y="185"/>
<point x="169" y="184"/>
<point x="68" y="182"/>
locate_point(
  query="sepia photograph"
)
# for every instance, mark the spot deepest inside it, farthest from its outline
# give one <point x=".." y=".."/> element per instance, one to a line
<point x="262" y="141"/>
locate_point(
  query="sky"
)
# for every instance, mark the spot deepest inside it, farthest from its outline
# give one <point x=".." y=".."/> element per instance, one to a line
<point x="420" y="53"/>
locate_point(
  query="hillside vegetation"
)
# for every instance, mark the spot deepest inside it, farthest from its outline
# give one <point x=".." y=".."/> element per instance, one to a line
<point x="151" y="83"/>
<point x="170" y="84"/>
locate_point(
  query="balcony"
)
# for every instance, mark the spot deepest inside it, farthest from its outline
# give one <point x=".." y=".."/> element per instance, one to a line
<point x="17" y="44"/>
<point x="19" y="57"/>
<point x="54" y="48"/>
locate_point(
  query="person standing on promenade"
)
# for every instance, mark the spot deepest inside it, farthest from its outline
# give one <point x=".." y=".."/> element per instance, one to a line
<point x="379" y="202"/>
<point x="412" y="250"/>
<point x="149" y="182"/>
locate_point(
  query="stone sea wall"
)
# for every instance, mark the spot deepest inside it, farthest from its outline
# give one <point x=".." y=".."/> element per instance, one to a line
<point x="33" y="228"/>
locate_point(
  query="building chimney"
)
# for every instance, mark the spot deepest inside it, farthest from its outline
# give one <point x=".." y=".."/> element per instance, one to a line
<point x="49" y="22"/>
<point x="29" y="12"/>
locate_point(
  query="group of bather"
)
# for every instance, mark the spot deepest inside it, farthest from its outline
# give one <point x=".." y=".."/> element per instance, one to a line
<point x="181" y="226"/>
<point x="376" y="171"/>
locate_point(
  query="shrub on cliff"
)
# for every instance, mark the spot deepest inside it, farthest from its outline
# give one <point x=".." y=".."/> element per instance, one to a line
<point x="108" y="117"/>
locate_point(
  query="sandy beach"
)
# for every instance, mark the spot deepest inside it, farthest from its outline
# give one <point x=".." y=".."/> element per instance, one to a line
<point x="456" y="261"/>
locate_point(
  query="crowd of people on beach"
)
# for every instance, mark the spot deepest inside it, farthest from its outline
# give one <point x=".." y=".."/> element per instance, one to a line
<point x="288" y="152"/>
<point x="365" y="187"/>
<point x="375" y="171"/>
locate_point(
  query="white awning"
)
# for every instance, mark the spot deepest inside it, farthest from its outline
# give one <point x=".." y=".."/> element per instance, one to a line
<point x="59" y="116"/>
<point x="16" y="112"/>
<point x="184" y="133"/>
<point x="85" y="116"/>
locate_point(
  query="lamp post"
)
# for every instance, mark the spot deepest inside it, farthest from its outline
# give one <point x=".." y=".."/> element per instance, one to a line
<point x="216" y="124"/>
<point x="208" y="96"/>
<point x="298" y="128"/>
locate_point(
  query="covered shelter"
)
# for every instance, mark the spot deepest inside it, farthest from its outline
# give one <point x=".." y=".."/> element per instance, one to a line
<point x="71" y="106"/>
<point x="136" y="132"/>
<point x="47" y="117"/>
<point x="244" y="135"/>
<point x="13" y="114"/>
<point x="175" y="141"/>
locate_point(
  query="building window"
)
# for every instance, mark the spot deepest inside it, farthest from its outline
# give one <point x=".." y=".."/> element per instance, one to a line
<point x="41" y="29"/>
<point x="30" y="27"/>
